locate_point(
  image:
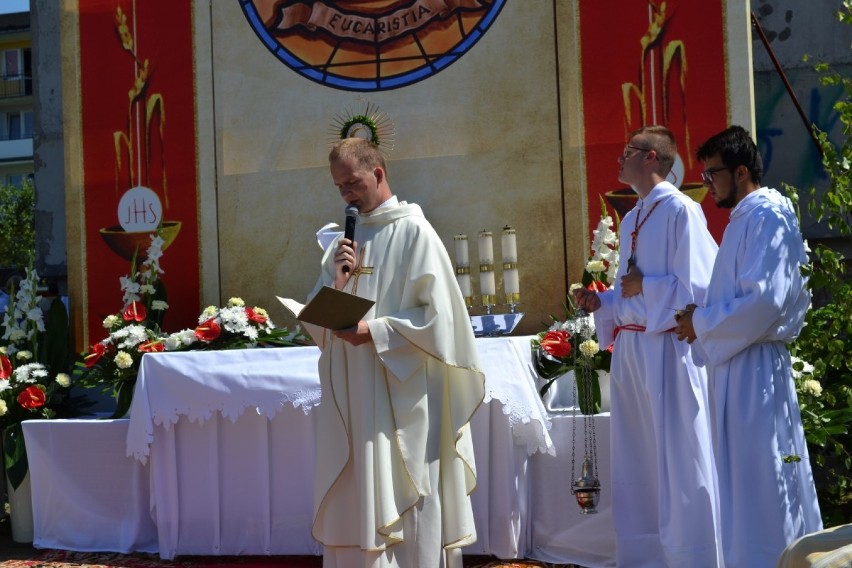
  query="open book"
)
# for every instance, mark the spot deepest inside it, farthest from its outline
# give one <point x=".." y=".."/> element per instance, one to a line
<point x="330" y="308"/>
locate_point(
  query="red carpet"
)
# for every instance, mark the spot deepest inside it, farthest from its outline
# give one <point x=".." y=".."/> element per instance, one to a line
<point x="68" y="559"/>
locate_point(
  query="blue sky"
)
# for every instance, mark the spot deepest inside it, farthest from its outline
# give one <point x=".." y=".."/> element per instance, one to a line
<point x="12" y="6"/>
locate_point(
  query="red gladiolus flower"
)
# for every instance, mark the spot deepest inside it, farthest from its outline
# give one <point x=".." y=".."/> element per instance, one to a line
<point x="134" y="312"/>
<point x="255" y="317"/>
<point x="152" y="347"/>
<point x="32" y="397"/>
<point x="597" y="286"/>
<point x="98" y="350"/>
<point x="5" y="367"/>
<point x="208" y="331"/>
<point x="556" y="343"/>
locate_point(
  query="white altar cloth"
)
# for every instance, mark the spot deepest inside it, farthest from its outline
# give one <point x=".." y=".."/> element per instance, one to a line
<point x="198" y="383"/>
<point x="223" y="481"/>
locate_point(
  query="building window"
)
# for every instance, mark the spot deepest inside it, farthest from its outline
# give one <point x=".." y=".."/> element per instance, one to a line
<point x="19" y="125"/>
<point x="12" y="63"/>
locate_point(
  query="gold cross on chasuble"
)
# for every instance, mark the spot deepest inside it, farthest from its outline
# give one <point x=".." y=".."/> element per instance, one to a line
<point x="360" y="270"/>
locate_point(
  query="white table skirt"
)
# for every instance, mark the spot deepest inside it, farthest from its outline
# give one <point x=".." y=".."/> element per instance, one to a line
<point x="86" y="494"/>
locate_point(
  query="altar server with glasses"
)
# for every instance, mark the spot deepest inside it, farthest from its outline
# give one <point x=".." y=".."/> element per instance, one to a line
<point x="756" y="304"/>
<point x="664" y="500"/>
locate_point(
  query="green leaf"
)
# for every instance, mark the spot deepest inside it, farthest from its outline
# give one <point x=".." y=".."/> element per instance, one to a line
<point x="15" y="455"/>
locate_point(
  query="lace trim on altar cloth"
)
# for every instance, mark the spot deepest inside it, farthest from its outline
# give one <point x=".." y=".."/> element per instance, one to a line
<point x="304" y="399"/>
<point x="527" y="429"/>
<point x="232" y="409"/>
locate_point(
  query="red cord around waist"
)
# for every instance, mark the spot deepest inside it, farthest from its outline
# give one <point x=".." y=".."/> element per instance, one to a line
<point x="633" y="327"/>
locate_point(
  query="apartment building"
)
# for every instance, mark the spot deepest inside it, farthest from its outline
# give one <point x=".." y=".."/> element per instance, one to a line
<point x="16" y="98"/>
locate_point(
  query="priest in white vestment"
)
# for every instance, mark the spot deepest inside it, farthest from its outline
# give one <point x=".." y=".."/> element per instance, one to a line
<point x="395" y="464"/>
<point x="664" y="502"/>
<point x="756" y="304"/>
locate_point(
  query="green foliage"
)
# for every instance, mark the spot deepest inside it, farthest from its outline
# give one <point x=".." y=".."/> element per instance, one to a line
<point x="17" y="225"/>
<point x="826" y="341"/>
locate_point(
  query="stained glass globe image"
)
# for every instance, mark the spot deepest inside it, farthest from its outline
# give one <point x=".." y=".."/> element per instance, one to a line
<point x="369" y="45"/>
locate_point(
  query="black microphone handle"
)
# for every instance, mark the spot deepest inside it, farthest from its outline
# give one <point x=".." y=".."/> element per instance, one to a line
<point x="349" y="232"/>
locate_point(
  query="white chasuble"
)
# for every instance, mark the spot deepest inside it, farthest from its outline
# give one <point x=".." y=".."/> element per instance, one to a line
<point x="663" y="482"/>
<point x="756" y="304"/>
<point x="394" y="451"/>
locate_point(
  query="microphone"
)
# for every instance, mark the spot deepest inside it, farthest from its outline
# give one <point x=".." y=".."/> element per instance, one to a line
<point x="349" y="232"/>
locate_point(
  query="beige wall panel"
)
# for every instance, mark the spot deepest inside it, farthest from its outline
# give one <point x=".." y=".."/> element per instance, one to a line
<point x="477" y="146"/>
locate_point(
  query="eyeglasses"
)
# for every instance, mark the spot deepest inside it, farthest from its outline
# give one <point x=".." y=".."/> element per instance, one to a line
<point x="626" y="156"/>
<point x="707" y="175"/>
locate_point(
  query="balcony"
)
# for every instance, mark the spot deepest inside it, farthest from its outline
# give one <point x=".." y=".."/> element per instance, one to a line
<point x="19" y="150"/>
<point x="12" y="86"/>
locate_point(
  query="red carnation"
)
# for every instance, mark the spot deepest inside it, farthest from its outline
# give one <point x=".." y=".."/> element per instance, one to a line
<point x="556" y="343"/>
<point x="134" y="312"/>
<point x="5" y="367"/>
<point x="597" y="286"/>
<point x="208" y="331"/>
<point x="98" y="350"/>
<point x="32" y="397"/>
<point x="255" y="317"/>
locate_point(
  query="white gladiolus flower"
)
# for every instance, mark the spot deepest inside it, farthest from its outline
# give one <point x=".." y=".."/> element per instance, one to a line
<point x="595" y="266"/>
<point x="159" y="305"/>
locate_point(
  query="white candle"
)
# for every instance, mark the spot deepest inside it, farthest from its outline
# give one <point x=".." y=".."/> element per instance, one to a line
<point x="464" y="284"/>
<point x="487" y="287"/>
<point x="462" y="258"/>
<point x="511" y="281"/>
<point x="462" y="265"/>
<point x="509" y="245"/>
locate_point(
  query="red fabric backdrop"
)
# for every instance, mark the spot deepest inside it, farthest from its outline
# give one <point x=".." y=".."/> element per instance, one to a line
<point x="690" y="38"/>
<point x="161" y="31"/>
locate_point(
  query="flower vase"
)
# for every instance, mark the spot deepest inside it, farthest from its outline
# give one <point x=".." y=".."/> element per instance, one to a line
<point x="21" y="510"/>
<point x="560" y="396"/>
<point x="603" y="381"/>
<point x="594" y="404"/>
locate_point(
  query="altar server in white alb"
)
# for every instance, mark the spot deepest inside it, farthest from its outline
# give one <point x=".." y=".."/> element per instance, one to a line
<point x="395" y="464"/>
<point x="756" y="304"/>
<point x="663" y="484"/>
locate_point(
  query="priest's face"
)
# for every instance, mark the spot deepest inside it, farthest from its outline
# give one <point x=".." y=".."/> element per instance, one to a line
<point x="720" y="181"/>
<point x="360" y="187"/>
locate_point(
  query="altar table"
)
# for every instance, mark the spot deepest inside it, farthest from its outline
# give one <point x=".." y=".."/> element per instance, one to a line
<point x="221" y="450"/>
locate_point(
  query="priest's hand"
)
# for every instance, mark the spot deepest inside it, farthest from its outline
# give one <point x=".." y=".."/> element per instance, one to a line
<point x="356" y="335"/>
<point x="344" y="262"/>
<point x="684" y="329"/>
<point x="631" y="283"/>
<point x="586" y="300"/>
